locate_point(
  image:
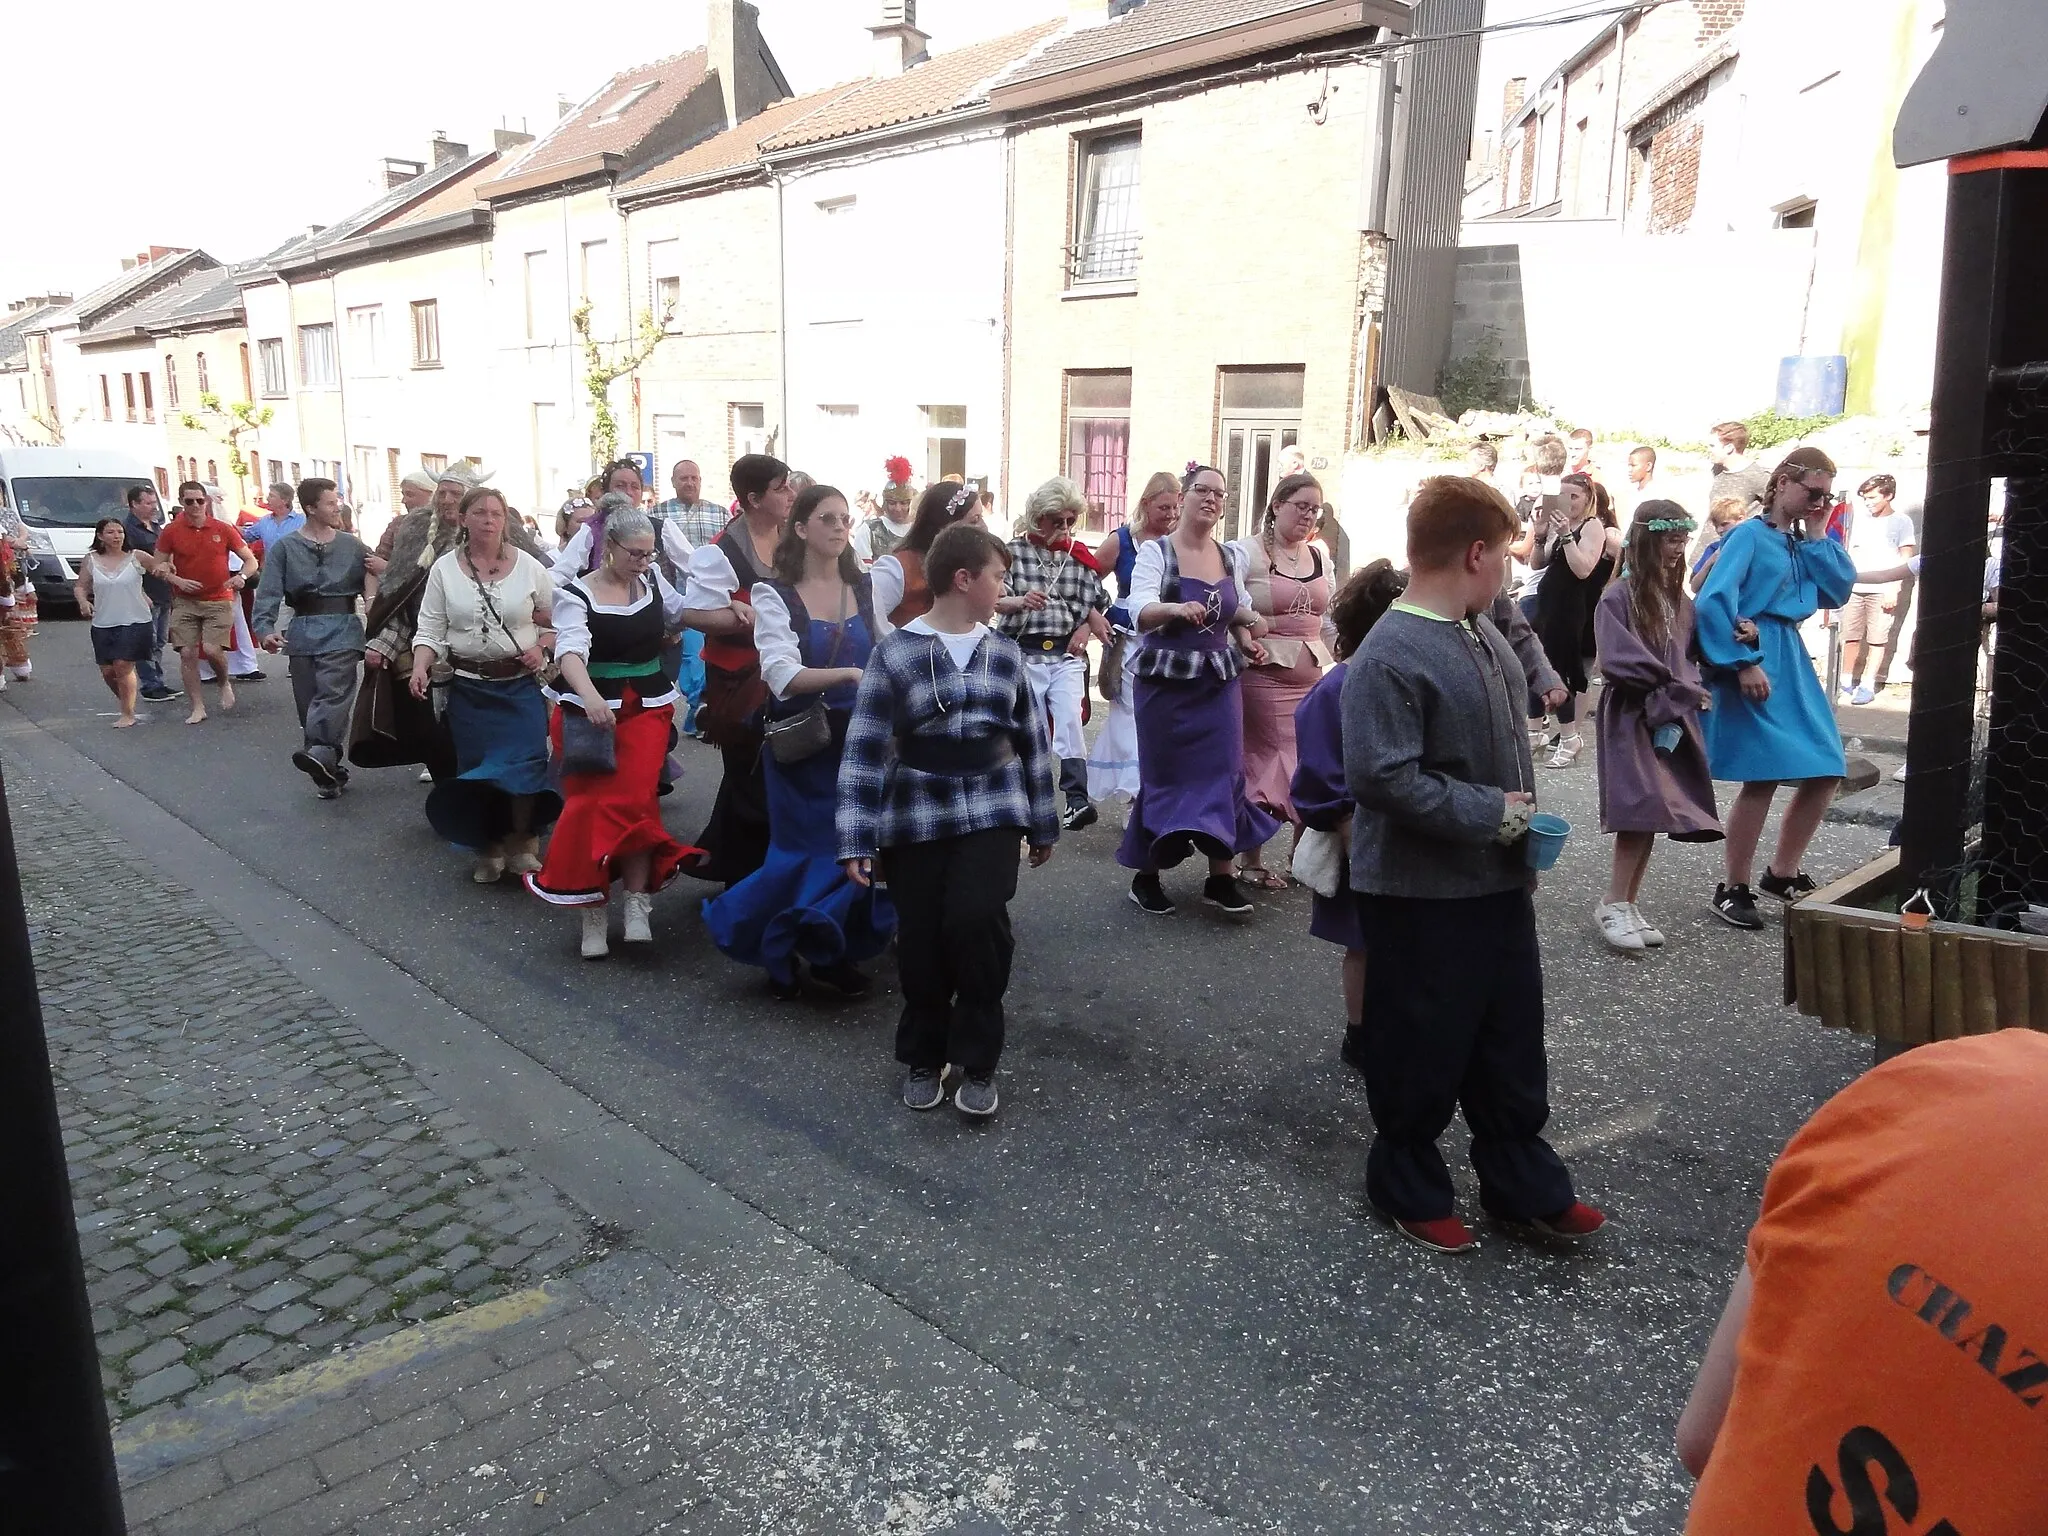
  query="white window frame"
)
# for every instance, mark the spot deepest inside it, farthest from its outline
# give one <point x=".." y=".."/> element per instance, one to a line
<point x="1108" y="183"/>
<point x="318" y="366"/>
<point x="271" y="360"/>
<point x="366" y="341"/>
<point x="426" y="333"/>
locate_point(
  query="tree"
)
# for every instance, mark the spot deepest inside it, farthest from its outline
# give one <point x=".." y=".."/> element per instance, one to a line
<point x="600" y="372"/>
<point x="228" y="425"/>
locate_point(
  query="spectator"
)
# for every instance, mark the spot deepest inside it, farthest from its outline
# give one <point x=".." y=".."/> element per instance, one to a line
<point x="1882" y="1345"/>
<point x="1581" y="449"/>
<point x="144" y="522"/>
<point x="1734" y="472"/>
<point x="193" y="553"/>
<point x="1572" y="554"/>
<point x="1722" y="516"/>
<point x="1482" y="460"/>
<point x="1642" y="475"/>
<point x="1881" y="536"/>
<point x="281" y="516"/>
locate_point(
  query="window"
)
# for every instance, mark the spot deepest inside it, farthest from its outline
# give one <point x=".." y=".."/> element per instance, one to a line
<point x="316" y="356"/>
<point x="837" y="256"/>
<point x="212" y="475"/>
<point x="148" y="400"/>
<point x="295" y="474"/>
<point x="128" y="393"/>
<point x="426" y="333"/>
<point x="1105" y="248"/>
<point x="364" y="483"/>
<point x="199" y="371"/>
<point x="597" y="286"/>
<point x="1099" y="443"/>
<point x="540" y="292"/>
<point x="627" y="102"/>
<point x="163" y="481"/>
<point x="270" y="354"/>
<point x="366" y="340"/>
<point x="106" y="400"/>
<point x="171" y="382"/>
<point x="248" y="384"/>
<point x="664" y="279"/>
<point x="748" y="429"/>
<point x="945" y="444"/>
<point x="277" y="471"/>
<point x="433" y="463"/>
<point x="1798" y="215"/>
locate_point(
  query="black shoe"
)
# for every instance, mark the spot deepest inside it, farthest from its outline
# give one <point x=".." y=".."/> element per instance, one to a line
<point x="924" y="1088"/>
<point x="845" y="978"/>
<point x="245" y="677"/>
<point x="1078" y="816"/>
<point x="162" y="694"/>
<point x="315" y="770"/>
<point x="1226" y="895"/>
<point x="1353" y="1050"/>
<point x="1735" y="905"/>
<point x="1147" y="893"/>
<point x="786" y="991"/>
<point x="1787" y="887"/>
<point x="328" y="792"/>
<point x="976" y="1096"/>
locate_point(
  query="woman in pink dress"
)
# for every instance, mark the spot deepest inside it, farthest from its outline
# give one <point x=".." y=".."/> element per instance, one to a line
<point x="1289" y="579"/>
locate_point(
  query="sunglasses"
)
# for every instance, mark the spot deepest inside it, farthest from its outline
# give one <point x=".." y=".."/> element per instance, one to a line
<point x="192" y="501"/>
<point x="831" y="520"/>
<point x="1817" y="496"/>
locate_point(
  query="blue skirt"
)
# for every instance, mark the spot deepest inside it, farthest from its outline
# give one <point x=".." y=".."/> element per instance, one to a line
<point x="1791" y="735"/>
<point x="121" y="642"/>
<point x="799" y="905"/>
<point x="500" y="730"/>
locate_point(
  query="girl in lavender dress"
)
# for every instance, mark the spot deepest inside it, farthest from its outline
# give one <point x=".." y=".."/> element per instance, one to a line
<point x="1321" y="798"/>
<point x="1188" y="596"/>
<point x="1653" y="758"/>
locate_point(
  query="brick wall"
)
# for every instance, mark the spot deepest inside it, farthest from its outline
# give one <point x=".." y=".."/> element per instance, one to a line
<point x="1673" y="175"/>
<point x="1717" y="17"/>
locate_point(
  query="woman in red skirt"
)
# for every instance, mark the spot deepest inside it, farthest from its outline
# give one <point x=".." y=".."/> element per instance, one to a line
<point x="615" y="702"/>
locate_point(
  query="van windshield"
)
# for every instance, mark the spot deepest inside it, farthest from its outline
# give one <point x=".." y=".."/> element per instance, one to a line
<point x="72" y="501"/>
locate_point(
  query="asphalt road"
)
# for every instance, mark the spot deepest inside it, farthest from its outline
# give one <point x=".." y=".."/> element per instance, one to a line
<point x="1164" y="1233"/>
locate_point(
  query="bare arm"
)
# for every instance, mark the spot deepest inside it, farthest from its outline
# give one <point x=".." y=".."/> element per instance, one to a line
<point x="1700" y="1424"/>
<point x="1583" y="555"/>
<point x="81" y="589"/>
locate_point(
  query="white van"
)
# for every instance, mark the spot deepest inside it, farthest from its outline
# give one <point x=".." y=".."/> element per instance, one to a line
<point x="60" y="493"/>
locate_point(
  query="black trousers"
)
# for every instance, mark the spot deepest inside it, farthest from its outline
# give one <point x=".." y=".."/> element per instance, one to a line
<point x="1454" y="1019"/>
<point x="953" y="946"/>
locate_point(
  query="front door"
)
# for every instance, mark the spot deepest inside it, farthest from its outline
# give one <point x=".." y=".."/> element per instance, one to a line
<point x="1250" y="449"/>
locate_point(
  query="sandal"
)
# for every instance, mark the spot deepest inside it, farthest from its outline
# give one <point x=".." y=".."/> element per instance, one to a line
<point x="1260" y="878"/>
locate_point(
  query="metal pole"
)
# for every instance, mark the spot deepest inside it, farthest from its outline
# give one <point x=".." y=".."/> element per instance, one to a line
<point x="57" y="1475"/>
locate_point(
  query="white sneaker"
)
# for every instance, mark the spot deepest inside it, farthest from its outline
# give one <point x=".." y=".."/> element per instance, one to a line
<point x="1899" y="774"/>
<point x="639" y="906"/>
<point x="595" y="922"/>
<point x="426" y="775"/>
<point x="1862" y="696"/>
<point x="1652" y="938"/>
<point x="1618" y="926"/>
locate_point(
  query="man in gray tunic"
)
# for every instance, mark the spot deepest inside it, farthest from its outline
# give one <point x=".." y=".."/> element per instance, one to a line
<point x="319" y="571"/>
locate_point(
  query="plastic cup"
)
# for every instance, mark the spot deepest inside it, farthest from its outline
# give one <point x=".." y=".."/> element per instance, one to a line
<point x="1666" y="738"/>
<point x="1546" y="839"/>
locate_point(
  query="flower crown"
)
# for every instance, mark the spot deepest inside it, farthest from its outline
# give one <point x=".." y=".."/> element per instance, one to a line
<point x="959" y="499"/>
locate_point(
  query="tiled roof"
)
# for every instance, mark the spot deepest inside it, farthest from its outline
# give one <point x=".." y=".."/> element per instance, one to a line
<point x="619" y="116"/>
<point x="209" y="292"/>
<point x="736" y="146"/>
<point x="120" y="289"/>
<point x="947" y="80"/>
<point x="454" y="195"/>
<point x="1154" y="24"/>
<point x="14" y="333"/>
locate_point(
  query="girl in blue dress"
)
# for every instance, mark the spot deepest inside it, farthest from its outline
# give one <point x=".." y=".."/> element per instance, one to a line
<point x="1770" y="723"/>
<point x="814" y="626"/>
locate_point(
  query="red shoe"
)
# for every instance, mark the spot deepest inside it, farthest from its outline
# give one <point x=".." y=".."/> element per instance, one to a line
<point x="1575" y="1221"/>
<point x="1446" y="1234"/>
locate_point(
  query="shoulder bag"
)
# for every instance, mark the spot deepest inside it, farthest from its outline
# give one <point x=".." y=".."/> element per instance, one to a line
<point x="803" y="735"/>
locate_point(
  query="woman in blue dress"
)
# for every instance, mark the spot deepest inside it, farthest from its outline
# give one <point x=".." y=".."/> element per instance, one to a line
<point x="1770" y="723"/>
<point x="814" y="626"/>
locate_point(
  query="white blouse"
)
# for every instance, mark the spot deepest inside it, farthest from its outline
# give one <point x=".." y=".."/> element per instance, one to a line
<point x="575" y="554"/>
<point x="1150" y="572"/>
<point x="117" y="597"/>
<point x="572" y="615"/>
<point x="775" y="638"/>
<point x="712" y="582"/>
<point x="453" y="620"/>
<point x="885" y="578"/>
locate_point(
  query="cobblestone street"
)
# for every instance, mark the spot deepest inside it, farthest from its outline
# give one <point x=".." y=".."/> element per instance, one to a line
<point x="255" y="1181"/>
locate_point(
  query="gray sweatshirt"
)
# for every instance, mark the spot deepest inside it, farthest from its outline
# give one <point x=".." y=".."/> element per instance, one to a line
<point x="1434" y="737"/>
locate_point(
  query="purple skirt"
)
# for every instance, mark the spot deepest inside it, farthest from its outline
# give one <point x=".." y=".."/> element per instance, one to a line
<point x="1190" y="776"/>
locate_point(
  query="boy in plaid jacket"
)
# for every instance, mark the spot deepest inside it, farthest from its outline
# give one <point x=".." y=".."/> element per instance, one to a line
<point x="947" y="766"/>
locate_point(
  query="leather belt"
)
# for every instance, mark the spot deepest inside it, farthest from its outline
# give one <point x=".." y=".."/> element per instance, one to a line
<point x="308" y="603"/>
<point x="489" y="671"/>
<point x="956" y="758"/>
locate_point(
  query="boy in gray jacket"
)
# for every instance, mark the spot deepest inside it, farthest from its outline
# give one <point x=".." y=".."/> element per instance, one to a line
<point x="1437" y="757"/>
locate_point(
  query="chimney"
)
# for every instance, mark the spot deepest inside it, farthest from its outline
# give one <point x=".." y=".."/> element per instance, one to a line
<point x="1512" y="97"/>
<point x="734" y="51"/>
<point x="397" y="172"/>
<point x="899" y="44"/>
<point x="1086" y="13"/>
<point x="503" y="139"/>
<point x="563" y="107"/>
<point x="446" y="149"/>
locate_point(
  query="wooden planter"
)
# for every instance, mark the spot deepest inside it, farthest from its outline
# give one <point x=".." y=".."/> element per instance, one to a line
<point x="1857" y="969"/>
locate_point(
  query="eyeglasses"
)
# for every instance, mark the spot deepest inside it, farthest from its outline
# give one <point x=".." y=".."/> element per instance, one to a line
<point x="1214" y="492"/>
<point x="831" y="520"/>
<point x="1306" y="508"/>
<point x="638" y="556"/>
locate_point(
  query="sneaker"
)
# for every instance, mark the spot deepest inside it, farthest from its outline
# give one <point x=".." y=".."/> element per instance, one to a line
<point x="595" y="944"/>
<point x="1618" y="926"/>
<point x="1079" y="816"/>
<point x="1575" y="1221"/>
<point x="162" y="694"/>
<point x="1864" y="695"/>
<point x="314" y="769"/>
<point x="327" y="792"/>
<point x="924" y="1088"/>
<point x="845" y="978"/>
<point x="1444" y="1234"/>
<point x="976" y="1096"/>
<point x="1735" y="905"/>
<point x="1353" y="1049"/>
<point x="1224" y="894"/>
<point x="1567" y="753"/>
<point x="1651" y="937"/>
<point x="426" y="775"/>
<point x="785" y="991"/>
<point x="1149" y="894"/>
<point x="1787" y="887"/>
<point x="1899" y="774"/>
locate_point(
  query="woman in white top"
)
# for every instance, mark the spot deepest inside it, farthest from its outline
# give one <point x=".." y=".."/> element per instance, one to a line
<point x="814" y="626"/>
<point x="483" y="619"/>
<point x="610" y="630"/>
<point x="109" y="592"/>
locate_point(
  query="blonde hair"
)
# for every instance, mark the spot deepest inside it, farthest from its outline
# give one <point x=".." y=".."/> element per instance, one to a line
<point x="1059" y="494"/>
<point x="1162" y="480"/>
<point x="1727" y="511"/>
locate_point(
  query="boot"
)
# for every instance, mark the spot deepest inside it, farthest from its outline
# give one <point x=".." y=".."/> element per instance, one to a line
<point x="639" y="906"/>
<point x="490" y="865"/>
<point x="522" y="853"/>
<point x="595" y="921"/>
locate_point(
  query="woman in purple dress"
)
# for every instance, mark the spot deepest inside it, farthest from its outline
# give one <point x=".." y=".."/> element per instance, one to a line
<point x="1321" y="798"/>
<point x="1187" y="596"/>
<point x="1653" y="757"/>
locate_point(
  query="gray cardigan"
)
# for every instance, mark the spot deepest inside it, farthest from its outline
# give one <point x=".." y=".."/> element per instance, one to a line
<point x="1434" y="737"/>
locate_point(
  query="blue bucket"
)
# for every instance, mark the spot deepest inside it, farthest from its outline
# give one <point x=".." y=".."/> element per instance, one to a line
<point x="1546" y="839"/>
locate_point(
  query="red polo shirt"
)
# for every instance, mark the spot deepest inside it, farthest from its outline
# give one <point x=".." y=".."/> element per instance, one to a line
<point x="201" y="554"/>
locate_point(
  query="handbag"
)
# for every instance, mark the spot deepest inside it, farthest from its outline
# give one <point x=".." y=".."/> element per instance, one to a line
<point x="1318" y="861"/>
<point x="808" y="732"/>
<point x="587" y="747"/>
